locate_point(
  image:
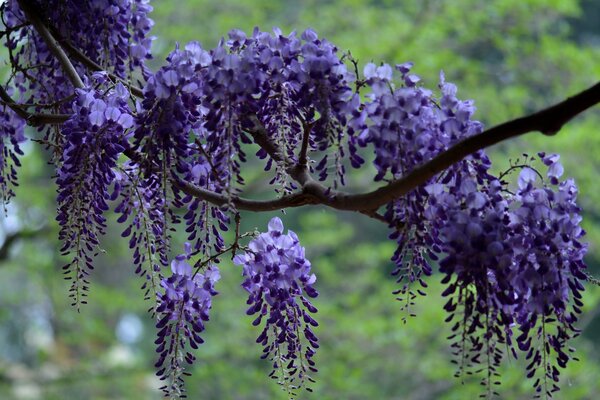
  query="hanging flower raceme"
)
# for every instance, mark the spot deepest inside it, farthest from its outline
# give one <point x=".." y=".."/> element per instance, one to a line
<point x="514" y="260"/>
<point x="184" y="307"/>
<point x="122" y="28"/>
<point x="548" y="270"/>
<point x="95" y="136"/>
<point x="280" y="284"/>
<point x="12" y="129"/>
<point x="140" y="206"/>
<point x="406" y="127"/>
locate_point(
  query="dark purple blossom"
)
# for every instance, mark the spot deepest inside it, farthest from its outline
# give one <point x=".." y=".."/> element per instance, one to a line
<point x="515" y="260"/>
<point x="12" y="135"/>
<point x="183" y="309"/>
<point x="280" y="284"/>
<point x="94" y="138"/>
<point x="141" y="206"/>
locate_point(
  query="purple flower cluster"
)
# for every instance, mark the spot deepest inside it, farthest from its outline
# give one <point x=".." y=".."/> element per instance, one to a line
<point x="94" y="137"/>
<point x="112" y="33"/>
<point x="145" y="228"/>
<point x="406" y="127"/>
<point x="509" y="258"/>
<point x="184" y="307"/>
<point x="514" y="259"/>
<point x="12" y="129"/>
<point x="170" y="118"/>
<point x="196" y="108"/>
<point x="280" y="283"/>
<point x="291" y="84"/>
<point x="120" y="26"/>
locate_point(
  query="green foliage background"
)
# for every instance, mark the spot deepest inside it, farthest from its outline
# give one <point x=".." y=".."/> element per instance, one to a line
<point x="511" y="56"/>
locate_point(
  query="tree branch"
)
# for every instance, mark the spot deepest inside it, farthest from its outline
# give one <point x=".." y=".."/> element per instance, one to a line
<point x="32" y="119"/>
<point x="303" y="157"/>
<point x="298" y="172"/>
<point x="289" y="201"/>
<point x="12" y="238"/>
<point x="91" y="64"/>
<point x="52" y="44"/>
<point x="548" y="121"/>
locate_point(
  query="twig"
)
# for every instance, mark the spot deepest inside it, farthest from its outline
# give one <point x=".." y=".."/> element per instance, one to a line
<point x="91" y="64"/>
<point x="33" y="119"/>
<point x="52" y="44"/>
<point x="303" y="159"/>
<point x="289" y="201"/>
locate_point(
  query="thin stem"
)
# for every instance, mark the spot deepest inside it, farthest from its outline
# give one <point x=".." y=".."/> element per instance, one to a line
<point x="91" y="64"/>
<point x="33" y="119"/>
<point x="289" y="201"/>
<point x="303" y="159"/>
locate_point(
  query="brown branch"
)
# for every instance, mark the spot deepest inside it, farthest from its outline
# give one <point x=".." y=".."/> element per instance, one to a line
<point x="8" y="101"/>
<point x="32" y="119"/>
<point x="261" y="138"/>
<point x="13" y="237"/>
<point x="52" y="44"/>
<point x="298" y="172"/>
<point x="303" y="157"/>
<point x="548" y="121"/>
<point x="91" y="64"/>
<point x="289" y="201"/>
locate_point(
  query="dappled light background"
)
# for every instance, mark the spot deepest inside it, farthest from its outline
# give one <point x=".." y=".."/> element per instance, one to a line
<point x="511" y="56"/>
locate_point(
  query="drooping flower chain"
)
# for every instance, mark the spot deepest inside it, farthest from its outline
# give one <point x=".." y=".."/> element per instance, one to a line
<point x="94" y="138"/>
<point x="279" y="281"/>
<point x="183" y="308"/>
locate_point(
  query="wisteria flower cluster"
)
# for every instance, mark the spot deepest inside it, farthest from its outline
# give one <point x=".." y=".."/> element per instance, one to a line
<point x="279" y="281"/>
<point x="406" y="127"/>
<point x="515" y="260"/>
<point x="171" y="153"/>
<point x="12" y="134"/>
<point x="140" y="204"/>
<point x="94" y="138"/>
<point x="111" y="33"/>
<point x="183" y="308"/>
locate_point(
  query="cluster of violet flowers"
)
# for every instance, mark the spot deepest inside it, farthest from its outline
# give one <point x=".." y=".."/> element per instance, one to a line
<point x="12" y="135"/>
<point x="94" y="138"/>
<point x="183" y="308"/>
<point x="512" y="257"/>
<point x="279" y="281"/>
<point x="512" y="260"/>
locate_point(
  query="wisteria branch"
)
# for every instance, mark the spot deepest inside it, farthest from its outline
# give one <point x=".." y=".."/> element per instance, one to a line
<point x="92" y="65"/>
<point x="52" y="44"/>
<point x="548" y="121"/>
<point x="303" y="157"/>
<point x="33" y="119"/>
<point x="289" y="201"/>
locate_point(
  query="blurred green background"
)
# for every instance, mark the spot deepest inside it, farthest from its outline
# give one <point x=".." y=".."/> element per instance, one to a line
<point x="511" y="56"/>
